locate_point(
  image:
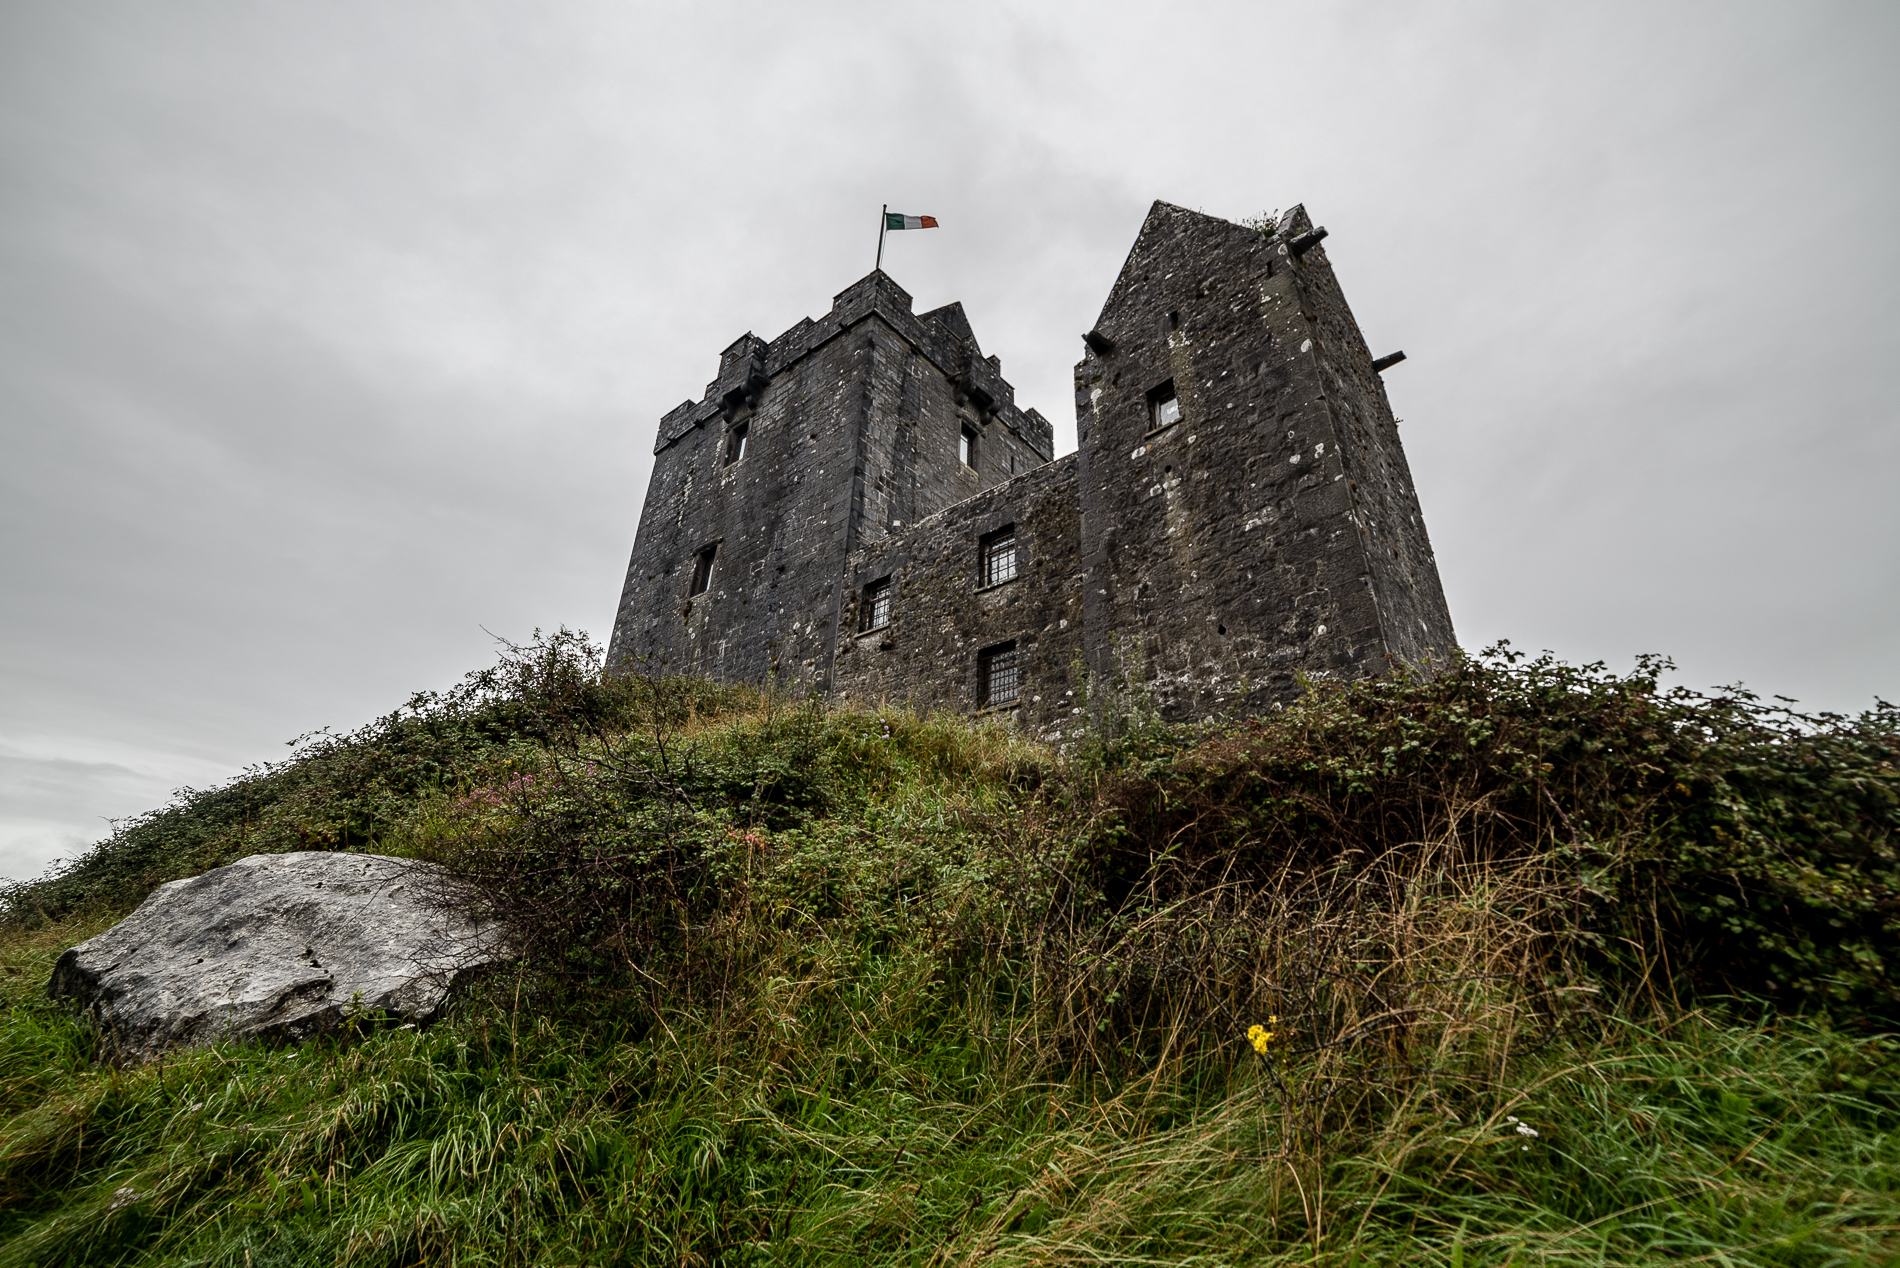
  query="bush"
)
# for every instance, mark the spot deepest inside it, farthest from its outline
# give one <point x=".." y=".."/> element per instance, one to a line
<point x="1711" y="843"/>
<point x="351" y="792"/>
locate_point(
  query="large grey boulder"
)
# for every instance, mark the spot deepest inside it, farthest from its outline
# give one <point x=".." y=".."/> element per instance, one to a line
<point x="279" y="946"/>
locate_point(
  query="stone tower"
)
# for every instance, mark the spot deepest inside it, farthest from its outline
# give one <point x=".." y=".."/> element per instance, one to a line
<point x="1245" y="503"/>
<point x="802" y="450"/>
<point x="860" y="506"/>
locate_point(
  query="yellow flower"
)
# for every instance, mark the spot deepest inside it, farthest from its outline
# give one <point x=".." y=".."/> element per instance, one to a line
<point x="1260" y="1037"/>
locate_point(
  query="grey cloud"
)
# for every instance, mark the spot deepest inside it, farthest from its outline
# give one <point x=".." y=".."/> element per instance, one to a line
<point x="54" y="807"/>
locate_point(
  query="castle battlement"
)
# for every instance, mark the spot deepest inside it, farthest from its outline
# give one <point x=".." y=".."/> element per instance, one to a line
<point x="859" y="505"/>
<point x="942" y="336"/>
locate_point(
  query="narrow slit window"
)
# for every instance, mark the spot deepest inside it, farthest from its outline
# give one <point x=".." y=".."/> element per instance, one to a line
<point x="1000" y="675"/>
<point x="966" y="447"/>
<point x="735" y="442"/>
<point x="1164" y="407"/>
<point x="999" y="557"/>
<point x="877" y="605"/>
<point x="702" y="570"/>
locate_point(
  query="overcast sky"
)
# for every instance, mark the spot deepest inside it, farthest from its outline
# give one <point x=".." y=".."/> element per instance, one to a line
<point x="332" y="333"/>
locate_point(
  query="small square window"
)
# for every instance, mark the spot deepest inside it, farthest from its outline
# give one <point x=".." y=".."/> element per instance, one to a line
<point x="1164" y="407"/>
<point x="735" y="442"/>
<point x="875" y="611"/>
<point x="702" y="570"/>
<point x="999" y="675"/>
<point x="998" y="562"/>
<point x="966" y="446"/>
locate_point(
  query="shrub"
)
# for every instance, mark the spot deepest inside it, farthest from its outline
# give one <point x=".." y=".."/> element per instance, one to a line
<point x="351" y="791"/>
<point x="1725" y="845"/>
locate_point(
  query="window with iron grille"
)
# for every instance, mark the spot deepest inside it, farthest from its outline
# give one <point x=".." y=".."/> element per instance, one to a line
<point x="999" y="556"/>
<point x="702" y="570"/>
<point x="1000" y="674"/>
<point x="876" y="608"/>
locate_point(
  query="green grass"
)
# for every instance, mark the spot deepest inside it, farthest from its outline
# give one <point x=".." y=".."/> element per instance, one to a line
<point x="885" y="1134"/>
<point x="870" y="988"/>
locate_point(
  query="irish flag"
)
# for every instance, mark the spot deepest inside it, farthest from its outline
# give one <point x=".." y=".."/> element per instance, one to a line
<point x="898" y="220"/>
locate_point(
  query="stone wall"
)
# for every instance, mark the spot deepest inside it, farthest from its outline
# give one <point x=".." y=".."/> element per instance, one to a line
<point x="1230" y="541"/>
<point x="1414" y="618"/>
<point x="944" y="618"/>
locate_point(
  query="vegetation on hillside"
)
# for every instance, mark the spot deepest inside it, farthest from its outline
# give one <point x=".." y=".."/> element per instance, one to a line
<point x="1524" y="962"/>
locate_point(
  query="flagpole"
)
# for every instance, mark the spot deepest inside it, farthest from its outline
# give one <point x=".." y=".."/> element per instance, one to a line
<point x="882" y="220"/>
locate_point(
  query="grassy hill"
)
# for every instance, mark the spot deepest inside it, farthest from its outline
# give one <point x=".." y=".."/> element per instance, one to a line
<point x="1529" y="963"/>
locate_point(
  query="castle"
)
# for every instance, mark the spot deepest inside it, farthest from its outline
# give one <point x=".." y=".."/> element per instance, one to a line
<point x="861" y="507"/>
